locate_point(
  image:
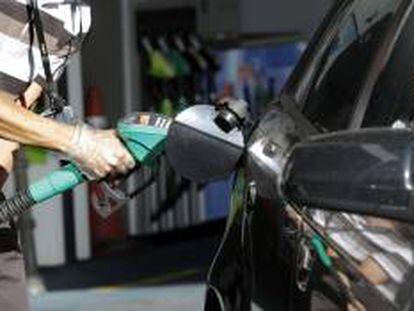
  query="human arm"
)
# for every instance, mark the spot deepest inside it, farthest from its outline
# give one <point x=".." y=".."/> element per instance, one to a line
<point x="8" y="148"/>
<point x="98" y="153"/>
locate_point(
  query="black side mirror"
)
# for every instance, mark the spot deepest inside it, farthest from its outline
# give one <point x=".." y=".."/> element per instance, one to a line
<point x="365" y="172"/>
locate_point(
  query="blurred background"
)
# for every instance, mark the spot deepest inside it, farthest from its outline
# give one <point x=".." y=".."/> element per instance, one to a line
<point x="156" y="55"/>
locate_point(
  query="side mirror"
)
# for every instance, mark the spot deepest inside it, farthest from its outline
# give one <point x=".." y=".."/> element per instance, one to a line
<point x="365" y="172"/>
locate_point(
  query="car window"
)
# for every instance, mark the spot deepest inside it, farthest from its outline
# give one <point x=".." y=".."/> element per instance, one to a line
<point x="393" y="95"/>
<point x="346" y="62"/>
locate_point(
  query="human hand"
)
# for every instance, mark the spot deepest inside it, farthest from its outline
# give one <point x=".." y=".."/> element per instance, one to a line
<point x="99" y="153"/>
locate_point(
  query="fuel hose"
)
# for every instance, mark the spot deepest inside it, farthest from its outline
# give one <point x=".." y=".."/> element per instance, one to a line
<point x="55" y="183"/>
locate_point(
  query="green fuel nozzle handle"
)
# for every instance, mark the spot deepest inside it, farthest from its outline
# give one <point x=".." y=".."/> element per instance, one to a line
<point x="55" y="183"/>
<point x="143" y="134"/>
<point x="42" y="190"/>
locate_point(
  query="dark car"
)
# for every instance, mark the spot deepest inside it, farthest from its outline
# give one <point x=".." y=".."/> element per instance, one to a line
<point x="357" y="72"/>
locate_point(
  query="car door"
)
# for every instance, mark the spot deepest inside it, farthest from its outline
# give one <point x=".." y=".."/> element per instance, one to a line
<point x="360" y="74"/>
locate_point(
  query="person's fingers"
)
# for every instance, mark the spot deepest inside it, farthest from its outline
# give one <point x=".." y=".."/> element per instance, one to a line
<point x="95" y="172"/>
<point x="30" y="96"/>
<point x="125" y="158"/>
<point x="103" y="169"/>
<point x="101" y="152"/>
<point x="129" y="160"/>
<point x="122" y="168"/>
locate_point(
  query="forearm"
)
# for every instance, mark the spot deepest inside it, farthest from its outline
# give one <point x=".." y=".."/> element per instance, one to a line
<point x="18" y="124"/>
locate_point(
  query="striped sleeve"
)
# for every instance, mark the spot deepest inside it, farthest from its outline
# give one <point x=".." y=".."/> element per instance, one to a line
<point x="20" y="62"/>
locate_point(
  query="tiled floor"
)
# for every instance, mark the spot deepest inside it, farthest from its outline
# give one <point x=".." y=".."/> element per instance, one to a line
<point x="188" y="297"/>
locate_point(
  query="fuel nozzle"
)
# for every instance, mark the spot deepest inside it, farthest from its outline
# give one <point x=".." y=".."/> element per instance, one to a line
<point x="232" y="113"/>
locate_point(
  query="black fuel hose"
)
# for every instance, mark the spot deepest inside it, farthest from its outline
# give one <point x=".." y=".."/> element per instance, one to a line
<point x="16" y="206"/>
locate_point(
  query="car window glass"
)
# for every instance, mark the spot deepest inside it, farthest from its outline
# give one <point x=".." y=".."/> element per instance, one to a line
<point x="346" y="62"/>
<point x="393" y="95"/>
